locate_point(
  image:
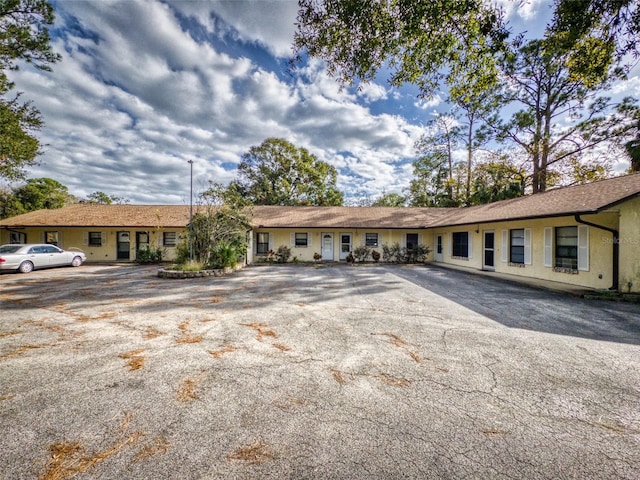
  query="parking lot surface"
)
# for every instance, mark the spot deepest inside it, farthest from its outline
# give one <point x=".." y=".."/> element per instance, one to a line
<point x="312" y="372"/>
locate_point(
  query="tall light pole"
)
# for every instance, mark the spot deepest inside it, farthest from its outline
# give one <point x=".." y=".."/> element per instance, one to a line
<point x="191" y="212"/>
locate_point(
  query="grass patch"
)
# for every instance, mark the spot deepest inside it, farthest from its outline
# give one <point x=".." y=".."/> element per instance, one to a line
<point x="393" y="381"/>
<point x="222" y="351"/>
<point x="187" y="389"/>
<point x="186" y="334"/>
<point x="255" y="453"/>
<point x="136" y="360"/>
<point x="151" y="333"/>
<point x="260" y="329"/>
<point x="69" y="459"/>
<point x="187" y="267"/>
<point x="159" y="446"/>
<point x="337" y="376"/>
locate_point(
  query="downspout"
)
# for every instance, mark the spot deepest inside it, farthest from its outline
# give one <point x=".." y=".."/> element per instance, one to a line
<point x="616" y="248"/>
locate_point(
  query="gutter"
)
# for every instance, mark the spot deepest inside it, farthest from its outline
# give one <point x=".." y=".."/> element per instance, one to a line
<point x="616" y="248"/>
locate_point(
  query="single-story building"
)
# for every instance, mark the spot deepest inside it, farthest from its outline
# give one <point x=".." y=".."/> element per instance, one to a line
<point x="586" y="235"/>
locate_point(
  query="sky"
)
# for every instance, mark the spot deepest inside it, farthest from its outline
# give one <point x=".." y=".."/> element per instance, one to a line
<point x="145" y="86"/>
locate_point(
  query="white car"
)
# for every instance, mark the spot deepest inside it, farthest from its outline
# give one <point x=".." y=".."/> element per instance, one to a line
<point x="27" y="257"/>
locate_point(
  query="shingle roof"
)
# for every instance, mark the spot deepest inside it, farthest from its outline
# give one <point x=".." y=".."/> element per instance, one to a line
<point x="580" y="199"/>
<point x="83" y="215"/>
<point x="346" y="217"/>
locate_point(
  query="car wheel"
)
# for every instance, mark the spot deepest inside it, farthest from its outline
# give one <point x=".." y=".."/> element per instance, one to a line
<point x="76" y="262"/>
<point x="25" y="267"/>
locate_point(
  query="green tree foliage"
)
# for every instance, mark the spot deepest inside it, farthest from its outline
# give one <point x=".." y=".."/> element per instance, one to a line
<point x="24" y="37"/>
<point x="418" y="42"/>
<point x="101" y="198"/>
<point x="595" y="35"/>
<point x="39" y="193"/>
<point x="218" y="229"/>
<point x="431" y="185"/>
<point x="498" y="179"/>
<point x="390" y="200"/>
<point x="18" y="146"/>
<point x="424" y="42"/>
<point x="279" y="173"/>
<point x="538" y="80"/>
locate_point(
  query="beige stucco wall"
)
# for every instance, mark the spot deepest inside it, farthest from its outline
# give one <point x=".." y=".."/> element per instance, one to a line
<point x="76" y="238"/>
<point x="630" y="246"/>
<point x="282" y="236"/>
<point x="600" y="272"/>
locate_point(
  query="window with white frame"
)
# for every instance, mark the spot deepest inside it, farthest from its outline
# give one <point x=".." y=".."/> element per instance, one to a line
<point x="262" y="243"/>
<point x="371" y="239"/>
<point x="516" y="246"/>
<point x="51" y="238"/>
<point x="460" y="244"/>
<point x="566" y="247"/>
<point x="169" y="239"/>
<point x="301" y="239"/>
<point x="17" y="237"/>
<point x="412" y="241"/>
<point x="95" y="239"/>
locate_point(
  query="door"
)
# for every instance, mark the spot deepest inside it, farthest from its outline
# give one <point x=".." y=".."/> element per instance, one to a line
<point x="38" y="256"/>
<point x="142" y="242"/>
<point x="489" y="251"/>
<point x="56" y="256"/>
<point x="124" y="243"/>
<point x="345" y="245"/>
<point x="327" y="246"/>
<point x="438" y="255"/>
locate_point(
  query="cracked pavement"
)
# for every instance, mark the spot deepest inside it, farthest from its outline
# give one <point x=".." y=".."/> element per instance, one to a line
<point x="312" y="372"/>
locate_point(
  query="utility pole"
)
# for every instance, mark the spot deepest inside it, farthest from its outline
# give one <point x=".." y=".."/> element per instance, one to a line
<point x="191" y="213"/>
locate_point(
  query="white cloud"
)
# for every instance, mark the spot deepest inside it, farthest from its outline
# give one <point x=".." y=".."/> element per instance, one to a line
<point x="136" y="96"/>
<point x="429" y="102"/>
<point x="372" y="92"/>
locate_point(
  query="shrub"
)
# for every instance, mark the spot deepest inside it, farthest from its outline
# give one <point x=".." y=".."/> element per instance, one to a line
<point x="392" y="253"/>
<point x="350" y="258"/>
<point x="223" y="254"/>
<point x="361" y="253"/>
<point x="317" y="257"/>
<point x="417" y="254"/>
<point x="283" y="254"/>
<point x="375" y="255"/>
<point x="149" y="255"/>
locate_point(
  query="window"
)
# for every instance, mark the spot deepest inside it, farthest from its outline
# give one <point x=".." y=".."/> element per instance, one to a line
<point x="262" y="243"/>
<point x="460" y="245"/>
<point x="516" y="246"/>
<point x="412" y="241"/>
<point x="17" y="237"/>
<point x="439" y="248"/>
<point x="51" y="238"/>
<point x="95" y="239"/>
<point x="302" y="239"/>
<point x="169" y="239"/>
<point x="371" y="239"/>
<point x="566" y="247"/>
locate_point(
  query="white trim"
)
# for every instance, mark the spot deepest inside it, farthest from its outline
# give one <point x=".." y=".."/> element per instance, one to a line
<point x="583" y="248"/>
<point x="548" y="247"/>
<point x="505" y="246"/>
<point x="470" y="245"/>
<point x="527" y="246"/>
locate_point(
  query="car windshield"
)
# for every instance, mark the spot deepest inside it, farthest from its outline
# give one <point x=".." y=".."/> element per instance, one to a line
<point x="10" y="248"/>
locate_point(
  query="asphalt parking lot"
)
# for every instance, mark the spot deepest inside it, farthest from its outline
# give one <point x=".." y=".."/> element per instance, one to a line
<point x="310" y="372"/>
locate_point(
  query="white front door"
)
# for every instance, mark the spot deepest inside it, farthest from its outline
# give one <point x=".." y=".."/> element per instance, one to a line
<point x="488" y="262"/>
<point x="438" y="255"/>
<point x="345" y="245"/>
<point x="327" y="246"/>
